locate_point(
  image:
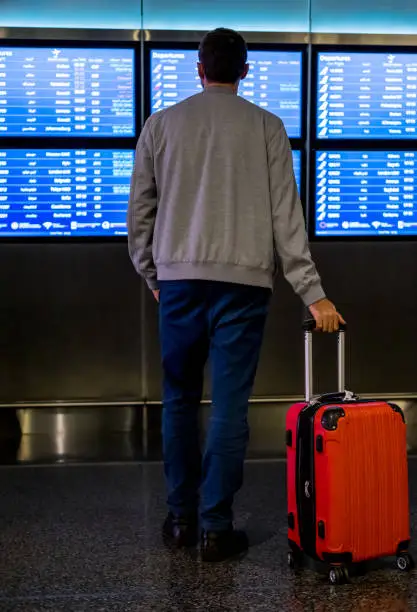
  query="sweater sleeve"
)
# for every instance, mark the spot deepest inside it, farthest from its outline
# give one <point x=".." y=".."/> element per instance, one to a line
<point x="290" y="237"/>
<point x="142" y="209"/>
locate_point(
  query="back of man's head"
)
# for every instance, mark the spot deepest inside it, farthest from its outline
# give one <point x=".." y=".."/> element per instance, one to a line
<point x="223" y="54"/>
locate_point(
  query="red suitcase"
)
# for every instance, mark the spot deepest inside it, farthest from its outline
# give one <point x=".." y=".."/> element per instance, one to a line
<point x="347" y="477"/>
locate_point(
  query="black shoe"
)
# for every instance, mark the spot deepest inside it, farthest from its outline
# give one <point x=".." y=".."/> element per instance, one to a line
<point x="180" y="531"/>
<point x="218" y="546"/>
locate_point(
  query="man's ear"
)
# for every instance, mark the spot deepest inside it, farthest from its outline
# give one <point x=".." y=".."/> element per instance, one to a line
<point x="245" y="72"/>
<point x="201" y="72"/>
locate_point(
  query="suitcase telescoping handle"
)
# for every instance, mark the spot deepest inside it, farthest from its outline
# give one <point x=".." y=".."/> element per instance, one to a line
<point x="309" y="326"/>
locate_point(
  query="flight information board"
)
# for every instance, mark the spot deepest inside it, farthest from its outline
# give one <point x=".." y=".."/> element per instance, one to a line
<point x="366" y="193"/>
<point x="66" y="92"/>
<point x="273" y="83"/>
<point x="296" y="156"/>
<point x="64" y="192"/>
<point x="367" y="95"/>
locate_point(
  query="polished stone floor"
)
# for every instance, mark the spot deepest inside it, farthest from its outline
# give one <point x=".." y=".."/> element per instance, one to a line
<point x="86" y="538"/>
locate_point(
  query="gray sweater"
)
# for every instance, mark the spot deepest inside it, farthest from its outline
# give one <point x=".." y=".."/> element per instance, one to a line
<point x="213" y="197"/>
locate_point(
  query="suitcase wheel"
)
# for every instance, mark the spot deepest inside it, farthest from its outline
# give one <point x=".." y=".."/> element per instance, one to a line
<point x="291" y="560"/>
<point x="338" y="575"/>
<point x="405" y="562"/>
<point x="294" y="559"/>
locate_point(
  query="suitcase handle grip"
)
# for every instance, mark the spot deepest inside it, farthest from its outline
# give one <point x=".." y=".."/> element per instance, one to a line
<point x="309" y="326"/>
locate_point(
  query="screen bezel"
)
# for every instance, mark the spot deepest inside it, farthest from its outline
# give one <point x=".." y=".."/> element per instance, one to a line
<point x="296" y="142"/>
<point x="350" y="142"/>
<point x="89" y="45"/>
<point x="302" y="189"/>
<point x="313" y="236"/>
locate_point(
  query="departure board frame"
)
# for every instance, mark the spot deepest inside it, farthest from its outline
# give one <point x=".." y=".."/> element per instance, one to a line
<point x="296" y="142"/>
<point x="77" y="142"/>
<point x="302" y="181"/>
<point x="346" y="141"/>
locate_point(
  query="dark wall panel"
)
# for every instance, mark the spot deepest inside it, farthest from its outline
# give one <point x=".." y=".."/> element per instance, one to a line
<point x="72" y="327"/>
<point x="152" y="355"/>
<point x="374" y="285"/>
<point x="70" y="323"/>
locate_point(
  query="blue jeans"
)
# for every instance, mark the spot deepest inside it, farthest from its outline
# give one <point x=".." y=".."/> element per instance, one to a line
<point x="223" y="322"/>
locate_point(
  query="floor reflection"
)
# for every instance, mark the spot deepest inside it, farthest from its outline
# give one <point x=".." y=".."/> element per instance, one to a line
<point x="129" y="433"/>
<point x="87" y="537"/>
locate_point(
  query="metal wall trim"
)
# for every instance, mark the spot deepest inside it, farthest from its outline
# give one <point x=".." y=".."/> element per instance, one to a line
<point x="56" y="405"/>
<point x="190" y="36"/>
<point x="134" y="35"/>
<point x="86" y="35"/>
<point x="318" y="38"/>
<point x="131" y="403"/>
<point x="293" y="399"/>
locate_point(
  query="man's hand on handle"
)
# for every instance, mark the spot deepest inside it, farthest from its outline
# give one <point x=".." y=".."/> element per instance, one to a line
<point x="326" y="316"/>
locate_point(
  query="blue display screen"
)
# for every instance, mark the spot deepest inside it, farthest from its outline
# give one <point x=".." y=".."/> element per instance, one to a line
<point x="366" y="193"/>
<point x="66" y="92"/>
<point x="273" y="82"/>
<point x="296" y="156"/>
<point x="64" y="192"/>
<point x="72" y="192"/>
<point x="367" y="95"/>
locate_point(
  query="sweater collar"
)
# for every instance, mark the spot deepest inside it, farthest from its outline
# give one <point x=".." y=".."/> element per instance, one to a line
<point x="219" y="89"/>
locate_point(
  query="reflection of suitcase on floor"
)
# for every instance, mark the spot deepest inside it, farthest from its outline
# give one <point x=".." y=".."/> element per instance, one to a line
<point x="347" y="477"/>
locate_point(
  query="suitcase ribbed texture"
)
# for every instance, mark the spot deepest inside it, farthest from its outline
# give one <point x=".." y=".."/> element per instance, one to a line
<point x="361" y="480"/>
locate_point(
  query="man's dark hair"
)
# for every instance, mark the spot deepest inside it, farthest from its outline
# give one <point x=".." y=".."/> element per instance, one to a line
<point x="223" y="54"/>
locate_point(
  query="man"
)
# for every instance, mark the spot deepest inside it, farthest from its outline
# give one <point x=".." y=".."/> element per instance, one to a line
<point x="213" y="202"/>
